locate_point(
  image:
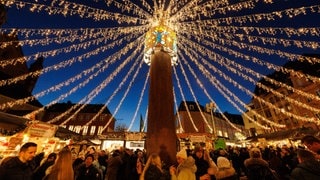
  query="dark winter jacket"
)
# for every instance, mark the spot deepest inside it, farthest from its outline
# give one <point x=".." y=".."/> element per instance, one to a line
<point x="40" y="172"/>
<point x="202" y="167"/>
<point x="258" y="169"/>
<point x="154" y="173"/>
<point x="309" y="170"/>
<point x="88" y="173"/>
<point x="14" y="169"/>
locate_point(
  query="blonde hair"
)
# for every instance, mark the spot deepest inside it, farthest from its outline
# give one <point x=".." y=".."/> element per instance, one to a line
<point x="62" y="168"/>
<point x="154" y="159"/>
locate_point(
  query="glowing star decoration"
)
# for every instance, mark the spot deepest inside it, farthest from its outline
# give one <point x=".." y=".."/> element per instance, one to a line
<point x="160" y="37"/>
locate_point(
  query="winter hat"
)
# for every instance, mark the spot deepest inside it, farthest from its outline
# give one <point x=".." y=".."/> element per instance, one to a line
<point x="223" y="162"/>
<point x="255" y="153"/>
<point x="182" y="154"/>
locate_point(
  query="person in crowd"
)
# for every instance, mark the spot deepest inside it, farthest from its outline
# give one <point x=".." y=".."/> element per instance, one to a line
<point x="91" y="150"/>
<point x="153" y="169"/>
<point x="74" y="153"/>
<point x="139" y="163"/>
<point x="40" y="172"/>
<point x="20" y="167"/>
<point x="257" y="168"/>
<point x="102" y="159"/>
<point x="38" y="158"/>
<point x="128" y="165"/>
<point x="77" y="162"/>
<point x="225" y="169"/>
<point x="286" y="164"/>
<point x="244" y="154"/>
<point x="206" y="168"/>
<point x="114" y="163"/>
<point x="83" y="151"/>
<point x="62" y="168"/>
<point x="308" y="167"/>
<point x="234" y="156"/>
<point x="88" y="171"/>
<point x="313" y="144"/>
<point x="186" y="169"/>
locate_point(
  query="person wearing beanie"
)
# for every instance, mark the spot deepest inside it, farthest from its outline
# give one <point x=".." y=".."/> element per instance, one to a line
<point x="186" y="168"/>
<point x="258" y="168"/>
<point x="225" y="169"/>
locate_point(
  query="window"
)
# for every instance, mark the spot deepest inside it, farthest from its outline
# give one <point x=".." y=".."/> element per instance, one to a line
<point x="71" y="127"/>
<point x="77" y="129"/>
<point x="101" y="117"/>
<point x="255" y="118"/>
<point x="100" y="129"/>
<point x="226" y="134"/>
<point x="191" y="107"/>
<point x="85" y="130"/>
<point x="92" y="130"/>
<point x="219" y="133"/>
<point x="268" y="113"/>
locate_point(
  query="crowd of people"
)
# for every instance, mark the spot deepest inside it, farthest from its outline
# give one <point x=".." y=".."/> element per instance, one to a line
<point x="232" y="163"/>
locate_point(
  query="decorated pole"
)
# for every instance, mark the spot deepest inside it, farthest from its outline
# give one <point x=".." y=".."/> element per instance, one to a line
<point x="160" y="54"/>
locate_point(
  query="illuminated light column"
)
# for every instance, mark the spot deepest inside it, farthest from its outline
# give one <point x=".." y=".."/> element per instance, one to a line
<point x="160" y="54"/>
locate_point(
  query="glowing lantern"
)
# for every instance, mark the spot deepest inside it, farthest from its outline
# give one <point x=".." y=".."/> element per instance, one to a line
<point x="163" y="38"/>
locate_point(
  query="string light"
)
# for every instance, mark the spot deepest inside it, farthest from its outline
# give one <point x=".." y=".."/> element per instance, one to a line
<point x="199" y="31"/>
<point x="181" y="130"/>
<point x="207" y="94"/>
<point x="139" y="102"/>
<point x="260" y="99"/>
<point x="222" y="61"/>
<point x="194" y="97"/>
<point x="66" y="8"/>
<point x="96" y="90"/>
<point x="115" y="92"/>
<point x="214" y="81"/>
<point x="184" y="100"/>
<point x="124" y="96"/>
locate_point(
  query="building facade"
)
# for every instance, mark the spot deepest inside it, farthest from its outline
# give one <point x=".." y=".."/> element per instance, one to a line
<point x="194" y="121"/>
<point x="81" y="122"/>
<point x="289" y="105"/>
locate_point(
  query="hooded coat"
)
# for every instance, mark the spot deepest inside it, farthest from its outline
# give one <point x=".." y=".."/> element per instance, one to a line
<point x="186" y="170"/>
<point x="308" y="170"/>
<point x="258" y="169"/>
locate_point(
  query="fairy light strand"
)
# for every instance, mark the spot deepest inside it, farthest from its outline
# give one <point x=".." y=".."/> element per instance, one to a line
<point x="114" y="93"/>
<point x="219" y="85"/>
<point x="220" y="61"/>
<point x="194" y="97"/>
<point x="65" y="63"/>
<point x="184" y="100"/>
<point x="206" y="92"/>
<point x="96" y="90"/>
<point x="126" y="92"/>
<point x="253" y="95"/>
<point x="139" y="102"/>
<point x="66" y="8"/>
<point x="110" y="60"/>
<point x="213" y="81"/>
<point x="177" y="110"/>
